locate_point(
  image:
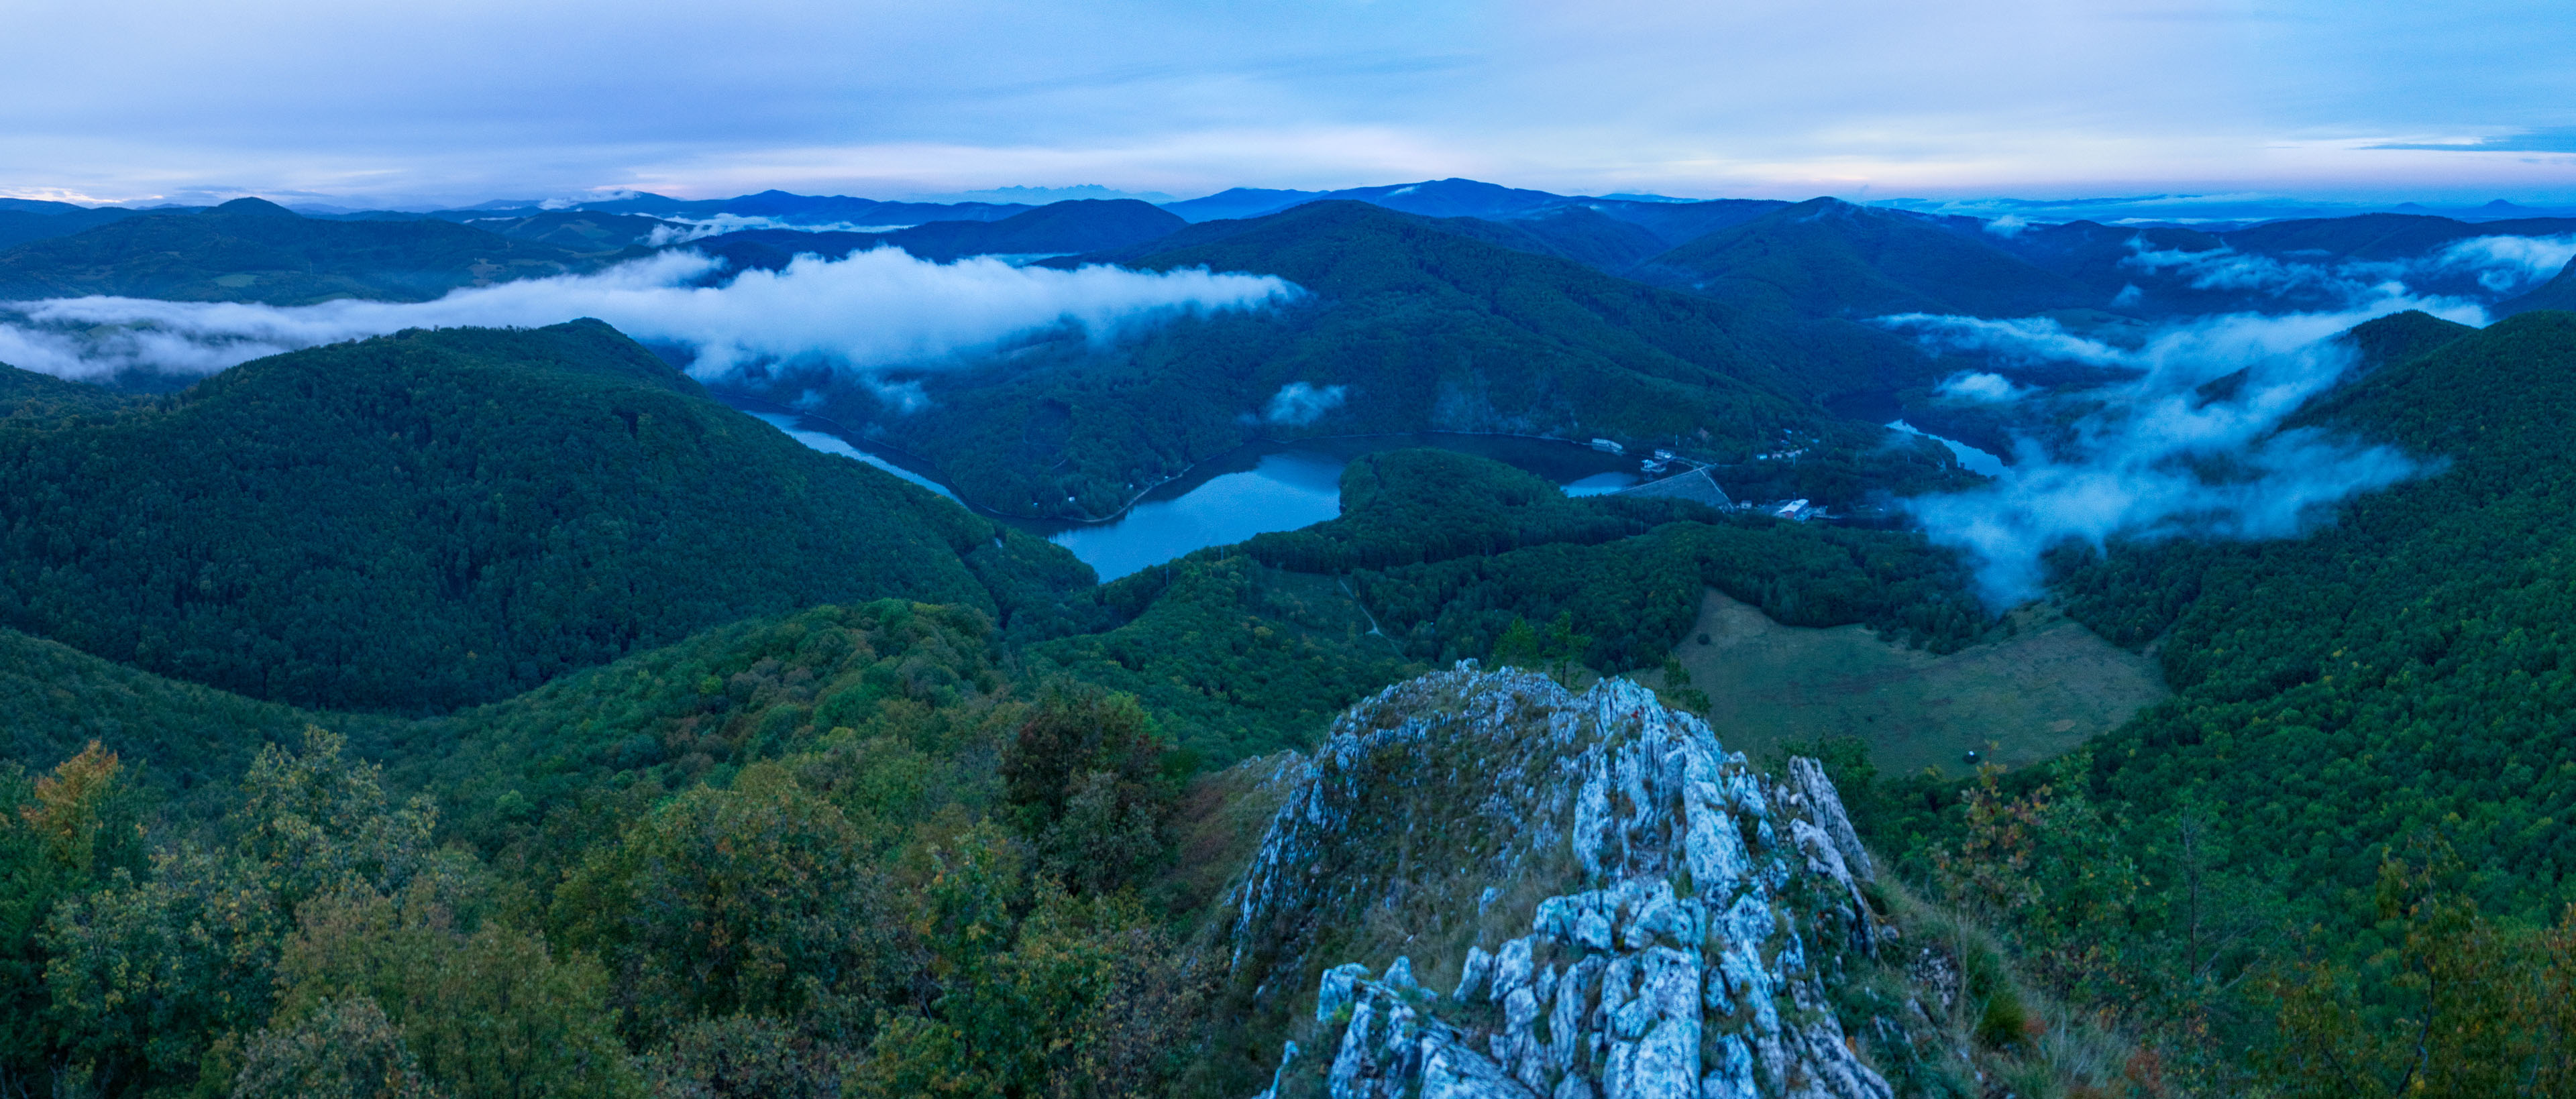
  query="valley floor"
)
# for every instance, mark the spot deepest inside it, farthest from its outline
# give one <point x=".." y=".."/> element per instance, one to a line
<point x="2046" y="688"/>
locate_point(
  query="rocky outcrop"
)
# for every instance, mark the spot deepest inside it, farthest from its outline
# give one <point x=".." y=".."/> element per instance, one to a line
<point x="1621" y="908"/>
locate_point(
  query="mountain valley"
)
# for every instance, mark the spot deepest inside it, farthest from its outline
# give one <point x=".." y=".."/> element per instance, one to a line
<point x="422" y="679"/>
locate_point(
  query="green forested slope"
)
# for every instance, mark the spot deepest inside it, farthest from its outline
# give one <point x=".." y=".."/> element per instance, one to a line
<point x="188" y="742"/>
<point x="1078" y="225"/>
<point x="433" y="519"/>
<point x="912" y="873"/>
<point x="251" y="250"/>
<point x="1826" y="257"/>
<point x="576" y="230"/>
<point x="1449" y="550"/>
<point x="39" y="220"/>
<point x="869" y="849"/>
<point x="1436" y="557"/>
<point x="1420" y="327"/>
<point x="28" y="396"/>
<point x="2558" y="293"/>
<point x="2410" y="669"/>
<point x="2381" y="236"/>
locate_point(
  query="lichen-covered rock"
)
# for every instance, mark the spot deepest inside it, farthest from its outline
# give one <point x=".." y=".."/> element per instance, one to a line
<point x="1689" y="912"/>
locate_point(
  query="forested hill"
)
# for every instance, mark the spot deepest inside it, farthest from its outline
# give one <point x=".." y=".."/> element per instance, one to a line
<point x="1078" y="225"/>
<point x="252" y="250"/>
<point x="27" y="395"/>
<point x="1081" y="225"/>
<point x="1826" y="256"/>
<point x="1405" y="326"/>
<point x="2557" y="293"/>
<point x="433" y="519"/>
<point x="2409" y="671"/>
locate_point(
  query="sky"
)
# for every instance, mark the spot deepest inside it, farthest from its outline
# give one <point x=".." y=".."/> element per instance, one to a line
<point x="424" y="102"/>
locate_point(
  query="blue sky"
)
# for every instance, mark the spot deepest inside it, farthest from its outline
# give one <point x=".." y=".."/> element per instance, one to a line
<point x="463" y="100"/>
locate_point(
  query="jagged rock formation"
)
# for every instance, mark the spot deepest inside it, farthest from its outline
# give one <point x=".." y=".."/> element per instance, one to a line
<point x="1616" y="906"/>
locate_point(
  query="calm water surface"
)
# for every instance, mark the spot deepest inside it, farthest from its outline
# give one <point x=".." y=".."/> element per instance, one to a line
<point x="1257" y="489"/>
<point x="1973" y="459"/>
<point x="1283" y="491"/>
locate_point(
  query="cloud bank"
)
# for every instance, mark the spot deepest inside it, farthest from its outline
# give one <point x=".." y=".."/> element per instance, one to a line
<point x="870" y="311"/>
<point x="682" y="230"/>
<point x="1979" y="387"/>
<point x="2501" y="265"/>
<point x="2163" y="459"/>
<point x="2507" y="265"/>
<point x="1301" y="403"/>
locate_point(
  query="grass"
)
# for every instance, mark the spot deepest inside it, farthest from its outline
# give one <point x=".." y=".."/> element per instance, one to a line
<point x="2046" y="687"/>
<point x="2017" y="1040"/>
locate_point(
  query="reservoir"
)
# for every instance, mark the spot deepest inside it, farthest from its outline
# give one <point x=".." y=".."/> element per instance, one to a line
<point x="1253" y="489"/>
<point x="1970" y="458"/>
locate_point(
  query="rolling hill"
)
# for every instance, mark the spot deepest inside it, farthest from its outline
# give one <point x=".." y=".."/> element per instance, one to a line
<point x="1057" y="228"/>
<point x="807" y="209"/>
<point x="2558" y="293"/>
<point x="23" y="220"/>
<point x="1826" y="257"/>
<point x="577" y="230"/>
<point x="433" y="519"/>
<point x="253" y="250"/>
<point x="2382" y="236"/>
<point x="1407" y="326"/>
<point x="2399" y="676"/>
<point x="1060" y="228"/>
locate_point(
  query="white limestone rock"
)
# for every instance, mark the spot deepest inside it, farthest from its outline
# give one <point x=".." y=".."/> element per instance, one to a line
<point x="1827" y="805"/>
<point x="1474" y="975"/>
<point x="1666" y="960"/>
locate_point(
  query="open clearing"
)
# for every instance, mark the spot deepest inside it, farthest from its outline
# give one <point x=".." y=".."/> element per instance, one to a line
<point x="2048" y="688"/>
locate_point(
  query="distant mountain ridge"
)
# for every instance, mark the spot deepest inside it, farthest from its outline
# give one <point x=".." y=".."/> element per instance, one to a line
<point x="1410" y="324"/>
<point x="1986" y="265"/>
<point x="1061" y="228"/>
<point x="256" y="251"/>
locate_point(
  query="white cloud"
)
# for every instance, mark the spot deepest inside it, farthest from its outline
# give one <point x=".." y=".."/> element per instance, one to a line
<point x="2508" y="265"/>
<point x="2135" y="468"/>
<point x="2502" y="265"/>
<point x="1981" y="388"/>
<point x="872" y="310"/>
<point x="685" y="229"/>
<point x="2009" y="339"/>
<point x="1301" y="403"/>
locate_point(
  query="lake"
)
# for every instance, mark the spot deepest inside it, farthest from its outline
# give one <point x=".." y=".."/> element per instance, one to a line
<point x="1254" y="489"/>
<point x="1970" y="458"/>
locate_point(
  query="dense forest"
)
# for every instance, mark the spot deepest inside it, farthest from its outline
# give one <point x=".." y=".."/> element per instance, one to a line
<point x="1061" y="228"/>
<point x="479" y="713"/>
<point x="253" y="250"/>
<point x="1411" y="326"/>
<point x="952" y="889"/>
<point x="868" y="849"/>
<point x="433" y="519"/>
<point x="2397" y="672"/>
<point x="2352" y="818"/>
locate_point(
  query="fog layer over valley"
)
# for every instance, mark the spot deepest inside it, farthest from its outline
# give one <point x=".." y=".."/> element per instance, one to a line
<point x="872" y="309"/>
<point x="2190" y="446"/>
<point x="1435" y="639"/>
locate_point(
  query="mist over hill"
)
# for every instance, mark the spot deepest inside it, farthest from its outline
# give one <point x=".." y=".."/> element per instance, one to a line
<point x="368" y="526"/>
<point x="405" y="645"/>
<point x="255" y="251"/>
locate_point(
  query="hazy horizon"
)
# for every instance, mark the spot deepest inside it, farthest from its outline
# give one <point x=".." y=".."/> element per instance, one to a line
<point x="154" y="100"/>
